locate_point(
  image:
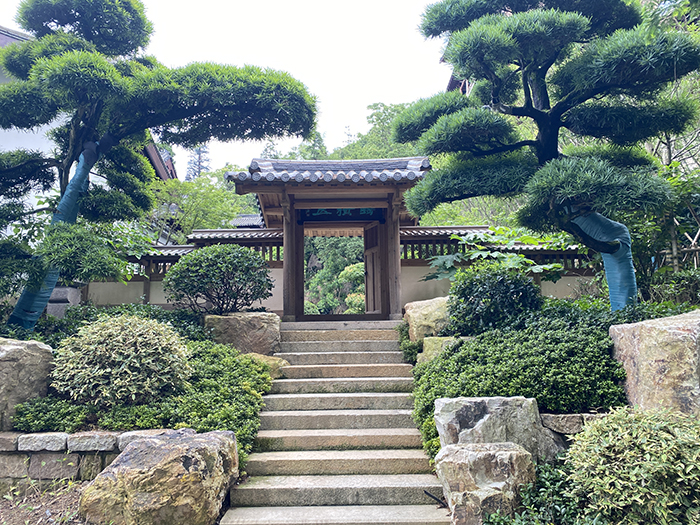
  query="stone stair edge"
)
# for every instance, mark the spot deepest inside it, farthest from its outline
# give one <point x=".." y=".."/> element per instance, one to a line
<point x="338" y="515"/>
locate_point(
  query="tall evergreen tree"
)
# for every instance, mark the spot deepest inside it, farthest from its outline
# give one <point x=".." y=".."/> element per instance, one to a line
<point x="536" y="68"/>
<point x="86" y="73"/>
<point x="198" y="162"/>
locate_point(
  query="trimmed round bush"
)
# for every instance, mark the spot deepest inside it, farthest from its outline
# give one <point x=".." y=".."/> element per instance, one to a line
<point x="120" y="360"/>
<point x="638" y="466"/>
<point x="219" y="279"/>
<point x="488" y="296"/>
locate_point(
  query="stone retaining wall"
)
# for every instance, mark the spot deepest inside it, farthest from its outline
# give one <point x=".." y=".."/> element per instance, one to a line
<point x="49" y="456"/>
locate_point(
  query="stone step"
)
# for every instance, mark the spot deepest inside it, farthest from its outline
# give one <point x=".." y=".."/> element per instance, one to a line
<point x="348" y="384"/>
<point x="337" y="439"/>
<point x="336" y="490"/>
<point x="339" y="346"/>
<point x="339" y="325"/>
<point x="341" y="358"/>
<point x="338" y="462"/>
<point x="344" y="515"/>
<point x="317" y="419"/>
<point x="341" y="371"/>
<point x="287" y="335"/>
<point x="345" y="401"/>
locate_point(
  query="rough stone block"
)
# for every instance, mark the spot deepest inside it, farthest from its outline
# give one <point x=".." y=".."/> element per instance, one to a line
<point x="127" y="437"/>
<point x="171" y="478"/>
<point x="24" y="375"/>
<point x="90" y="466"/>
<point x="591" y="417"/>
<point x="65" y="294"/>
<point x="93" y="441"/>
<point x="248" y="332"/>
<point x="479" y="478"/>
<point x="54" y="466"/>
<point x="8" y="441"/>
<point x="566" y="424"/>
<point x="426" y="318"/>
<point x="662" y="361"/>
<point x="434" y="346"/>
<point x="14" y="465"/>
<point x="496" y="420"/>
<point x="45" y="441"/>
<point x="109" y="459"/>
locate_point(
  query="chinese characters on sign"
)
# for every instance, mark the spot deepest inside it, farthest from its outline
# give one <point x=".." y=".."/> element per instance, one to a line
<point x="342" y="214"/>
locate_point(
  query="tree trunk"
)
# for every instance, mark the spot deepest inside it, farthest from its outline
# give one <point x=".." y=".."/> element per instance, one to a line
<point x="547" y="147"/>
<point x="619" y="269"/>
<point x="32" y="303"/>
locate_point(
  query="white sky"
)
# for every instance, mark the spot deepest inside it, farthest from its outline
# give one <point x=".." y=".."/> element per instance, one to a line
<point x="348" y="54"/>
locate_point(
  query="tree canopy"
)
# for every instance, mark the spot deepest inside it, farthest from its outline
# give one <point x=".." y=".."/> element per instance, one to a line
<point x="85" y="74"/>
<point x="534" y="69"/>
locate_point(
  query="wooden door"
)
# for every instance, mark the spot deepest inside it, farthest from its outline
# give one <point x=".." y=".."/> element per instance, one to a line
<point x="373" y="277"/>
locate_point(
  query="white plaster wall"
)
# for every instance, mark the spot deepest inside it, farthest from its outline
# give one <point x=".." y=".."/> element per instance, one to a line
<point x="115" y="293"/>
<point x="157" y="294"/>
<point x="564" y="287"/>
<point x="274" y="303"/>
<point x="413" y="289"/>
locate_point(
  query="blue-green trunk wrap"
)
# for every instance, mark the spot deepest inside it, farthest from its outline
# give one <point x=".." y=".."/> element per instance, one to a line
<point x="31" y="303"/>
<point x="619" y="268"/>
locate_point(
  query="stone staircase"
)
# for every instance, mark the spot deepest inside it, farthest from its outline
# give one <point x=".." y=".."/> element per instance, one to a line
<point x="337" y="444"/>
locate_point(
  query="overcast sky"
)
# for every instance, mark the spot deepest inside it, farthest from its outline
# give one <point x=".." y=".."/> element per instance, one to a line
<point x="348" y="54"/>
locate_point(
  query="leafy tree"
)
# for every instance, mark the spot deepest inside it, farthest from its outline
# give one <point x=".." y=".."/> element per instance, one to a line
<point x="326" y="258"/>
<point x="207" y="201"/>
<point x="86" y="71"/>
<point x="537" y="68"/>
<point x="377" y="143"/>
<point x="198" y="162"/>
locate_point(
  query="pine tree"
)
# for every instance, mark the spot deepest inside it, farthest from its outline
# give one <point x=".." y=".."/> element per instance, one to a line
<point x="536" y="68"/>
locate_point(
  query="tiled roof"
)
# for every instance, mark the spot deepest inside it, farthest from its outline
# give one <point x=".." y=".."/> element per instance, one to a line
<point x="249" y="220"/>
<point x="376" y="170"/>
<point x="440" y="231"/>
<point x="237" y="234"/>
<point x="171" y="250"/>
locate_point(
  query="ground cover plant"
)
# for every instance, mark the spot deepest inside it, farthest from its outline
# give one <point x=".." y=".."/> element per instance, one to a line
<point x="628" y="468"/>
<point x="557" y="351"/>
<point x="210" y="386"/>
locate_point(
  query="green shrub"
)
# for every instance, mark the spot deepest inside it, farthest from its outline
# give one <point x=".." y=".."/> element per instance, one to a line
<point x="355" y="303"/>
<point x="52" y="331"/>
<point x="639" y="467"/>
<point x="218" y="279"/>
<point x="52" y="414"/>
<point x="681" y="287"/>
<point x="567" y="369"/>
<point x="310" y="308"/>
<point x="223" y="392"/>
<point x="547" y="501"/>
<point x="120" y="360"/>
<point x="486" y="296"/>
<point x="410" y="349"/>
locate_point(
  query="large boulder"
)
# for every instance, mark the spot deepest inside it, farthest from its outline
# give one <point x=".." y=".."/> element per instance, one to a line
<point x="248" y="332"/>
<point x="24" y="374"/>
<point x="175" y="477"/>
<point x="662" y="361"/>
<point x="496" y="420"/>
<point x="480" y="479"/>
<point x="434" y="346"/>
<point x="426" y="318"/>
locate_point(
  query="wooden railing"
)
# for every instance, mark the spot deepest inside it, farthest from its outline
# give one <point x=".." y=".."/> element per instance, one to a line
<point x="414" y="252"/>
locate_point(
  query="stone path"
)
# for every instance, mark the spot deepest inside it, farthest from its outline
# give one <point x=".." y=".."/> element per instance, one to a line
<point x="337" y="444"/>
